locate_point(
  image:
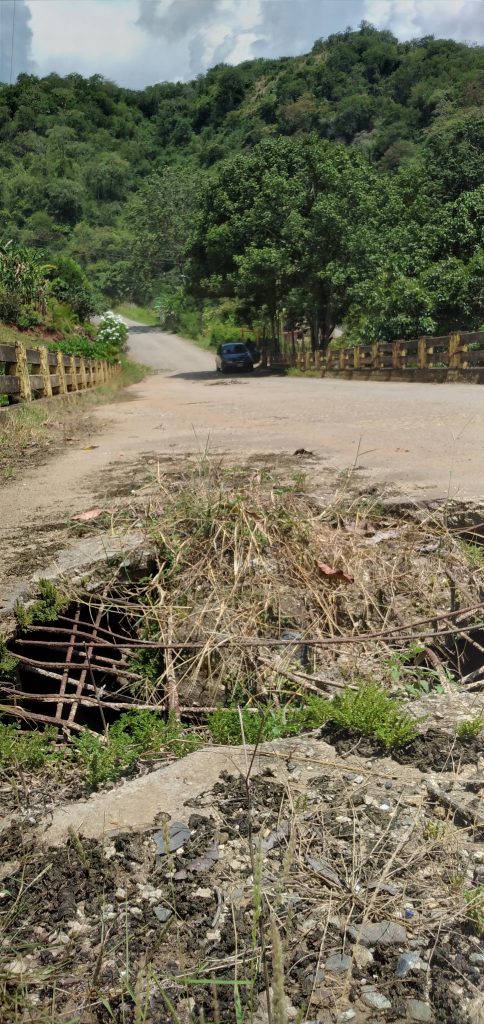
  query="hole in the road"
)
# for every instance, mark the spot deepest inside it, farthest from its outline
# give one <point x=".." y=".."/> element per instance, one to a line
<point x="75" y="671"/>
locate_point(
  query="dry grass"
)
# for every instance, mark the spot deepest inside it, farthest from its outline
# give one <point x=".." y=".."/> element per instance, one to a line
<point x="30" y="431"/>
<point x="332" y="586"/>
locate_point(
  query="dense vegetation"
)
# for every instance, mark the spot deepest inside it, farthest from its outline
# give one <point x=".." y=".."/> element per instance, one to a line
<point x="343" y="185"/>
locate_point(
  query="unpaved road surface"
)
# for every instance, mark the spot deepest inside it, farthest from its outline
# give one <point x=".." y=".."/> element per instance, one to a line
<point x="425" y="439"/>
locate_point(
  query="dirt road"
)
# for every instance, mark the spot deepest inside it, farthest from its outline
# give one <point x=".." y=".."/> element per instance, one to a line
<point x="426" y="439"/>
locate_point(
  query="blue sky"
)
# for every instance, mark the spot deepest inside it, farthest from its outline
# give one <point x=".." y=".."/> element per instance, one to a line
<point x="138" y="42"/>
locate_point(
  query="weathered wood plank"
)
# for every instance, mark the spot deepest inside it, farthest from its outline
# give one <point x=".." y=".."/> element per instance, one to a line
<point x="7" y="354"/>
<point x="36" y="381"/>
<point x="9" y="385"/>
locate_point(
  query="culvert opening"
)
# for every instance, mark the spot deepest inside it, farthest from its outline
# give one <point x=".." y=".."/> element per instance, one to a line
<point x="74" y="672"/>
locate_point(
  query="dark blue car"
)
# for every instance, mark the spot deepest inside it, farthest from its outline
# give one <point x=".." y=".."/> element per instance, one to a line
<point x="233" y="355"/>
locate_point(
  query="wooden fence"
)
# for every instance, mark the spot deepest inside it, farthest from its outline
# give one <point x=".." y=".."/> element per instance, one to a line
<point x="29" y="373"/>
<point x="449" y="357"/>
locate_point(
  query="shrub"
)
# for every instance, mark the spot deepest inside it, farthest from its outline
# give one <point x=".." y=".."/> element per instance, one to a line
<point x="470" y="729"/>
<point x="113" y="334"/>
<point x="135" y="734"/>
<point x="70" y="285"/>
<point x="30" y="750"/>
<point x="370" y="711"/>
<point x="226" y="724"/>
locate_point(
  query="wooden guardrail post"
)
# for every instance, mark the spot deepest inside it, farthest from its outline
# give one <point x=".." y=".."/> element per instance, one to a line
<point x="422" y="355"/>
<point x="463" y="353"/>
<point x="454" y="352"/>
<point x="61" y="376"/>
<point x="73" y="373"/>
<point x="375" y="356"/>
<point x="82" y="373"/>
<point x="45" y="372"/>
<point x="22" y="372"/>
<point x="356" y="357"/>
<point x="396" y="355"/>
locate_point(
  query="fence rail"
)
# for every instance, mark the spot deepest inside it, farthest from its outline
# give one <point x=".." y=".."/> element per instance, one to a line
<point x="458" y="356"/>
<point x="30" y="373"/>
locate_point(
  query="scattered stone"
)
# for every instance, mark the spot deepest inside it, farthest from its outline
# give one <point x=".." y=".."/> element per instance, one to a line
<point x="120" y="894"/>
<point x="323" y="869"/>
<point x="379" y="933"/>
<point x="346" y="1015"/>
<point x="362" y="956"/>
<point x="477" y="958"/>
<point x="376" y="1000"/>
<point x="338" y="962"/>
<point x="419" y="1011"/>
<point x="386" y="887"/>
<point x="136" y="912"/>
<point x="409" y="962"/>
<point x="162" y="913"/>
<point x="177" y="834"/>
<point x="203" y="894"/>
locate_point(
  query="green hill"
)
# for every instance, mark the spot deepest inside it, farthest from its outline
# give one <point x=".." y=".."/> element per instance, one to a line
<point x="373" y="147"/>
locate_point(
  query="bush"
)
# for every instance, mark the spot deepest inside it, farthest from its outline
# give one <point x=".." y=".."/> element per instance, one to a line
<point x="470" y="729"/>
<point x="29" y="750"/>
<point x="112" y="334"/>
<point x="371" y="712"/>
<point x="71" y="286"/>
<point x="135" y="734"/>
<point x="226" y="724"/>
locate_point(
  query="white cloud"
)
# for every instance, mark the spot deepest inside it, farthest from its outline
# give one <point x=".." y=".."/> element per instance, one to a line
<point x="409" y="19"/>
<point x="138" y="42"/>
<point x="85" y="35"/>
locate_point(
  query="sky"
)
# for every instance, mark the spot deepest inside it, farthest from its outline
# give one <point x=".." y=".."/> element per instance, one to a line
<point x="139" y="42"/>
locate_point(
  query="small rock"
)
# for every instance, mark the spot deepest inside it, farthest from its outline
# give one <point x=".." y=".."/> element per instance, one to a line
<point x="338" y="962"/>
<point x="235" y="865"/>
<point x="379" y="933"/>
<point x="406" y="963"/>
<point x="362" y="956"/>
<point x="136" y="912"/>
<point x="346" y="1015"/>
<point x="477" y="958"/>
<point x="178" y="833"/>
<point x="214" y="935"/>
<point x="376" y="1000"/>
<point x="162" y="913"/>
<point x="76" y="928"/>
<point x="386" y="887"/>
<point x="203" y="894"/>
<point x="120" y="894"/>
<point x="419" y="1011"/>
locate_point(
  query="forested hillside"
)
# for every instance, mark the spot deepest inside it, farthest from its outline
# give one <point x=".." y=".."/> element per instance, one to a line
<point x="345" y="185"/>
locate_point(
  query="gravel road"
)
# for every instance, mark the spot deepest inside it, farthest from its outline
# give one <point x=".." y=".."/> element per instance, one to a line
<point x="426" y="439"/>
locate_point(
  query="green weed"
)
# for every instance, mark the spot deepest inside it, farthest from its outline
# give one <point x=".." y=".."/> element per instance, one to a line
<point x="46" y="609"/>
<point x="8" y="663"/>
<point x="470" y="729"/>
<point x="475" y="909"/>
<point x="226" y="724"/>
<point x="415" y="680"/>
<point x="371" y="712"/>
<point x="29" y="750"/>
<point x="474" y="553"/>
<point x="136" y="734"/>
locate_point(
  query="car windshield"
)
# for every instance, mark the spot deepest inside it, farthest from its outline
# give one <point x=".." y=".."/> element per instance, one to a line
<point x="235" y="349"/>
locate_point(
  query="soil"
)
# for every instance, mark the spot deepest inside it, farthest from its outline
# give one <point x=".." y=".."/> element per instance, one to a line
<point x="434" y="750"/>
<point x="332" y="851"/>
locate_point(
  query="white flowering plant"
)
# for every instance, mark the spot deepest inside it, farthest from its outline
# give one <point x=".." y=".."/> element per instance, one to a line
<point x="112" y="334"/>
